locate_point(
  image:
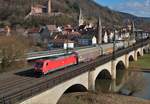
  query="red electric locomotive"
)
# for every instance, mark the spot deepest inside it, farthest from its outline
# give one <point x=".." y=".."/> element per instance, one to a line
<point x="50" y="65"/>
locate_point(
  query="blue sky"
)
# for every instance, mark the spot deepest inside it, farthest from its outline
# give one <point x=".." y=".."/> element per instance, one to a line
<point x="137" y="7"/>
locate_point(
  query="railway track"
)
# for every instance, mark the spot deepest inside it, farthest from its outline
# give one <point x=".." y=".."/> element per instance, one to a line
<point x="11" y="82"/>
<point x="17" y="84"/>
<point x="22" y="85"/>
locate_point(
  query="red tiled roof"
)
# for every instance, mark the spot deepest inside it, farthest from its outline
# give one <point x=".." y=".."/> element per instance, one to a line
<point x="72" y="33"/>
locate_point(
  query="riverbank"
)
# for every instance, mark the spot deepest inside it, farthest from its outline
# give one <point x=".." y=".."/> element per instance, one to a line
<point x="100" y="98"/>
<point x="142" y="63"/>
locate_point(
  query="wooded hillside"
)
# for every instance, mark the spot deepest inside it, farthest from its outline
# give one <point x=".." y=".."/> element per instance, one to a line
<point x="13" y="12"/>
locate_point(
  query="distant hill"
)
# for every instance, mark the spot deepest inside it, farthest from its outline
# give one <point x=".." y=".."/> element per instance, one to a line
<point x="14" y="11"/>
<point x="140" y="22"/>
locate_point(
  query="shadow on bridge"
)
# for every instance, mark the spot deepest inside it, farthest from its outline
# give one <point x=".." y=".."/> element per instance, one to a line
<point x="26" y="73"/>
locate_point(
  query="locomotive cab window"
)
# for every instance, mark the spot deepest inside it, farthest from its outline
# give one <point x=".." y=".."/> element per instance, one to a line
<point x="39" y="64"/>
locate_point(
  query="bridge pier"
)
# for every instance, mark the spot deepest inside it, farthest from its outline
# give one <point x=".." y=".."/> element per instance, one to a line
<point x="91" y="81"/>
<point x="142" y="53"/>
<point x="113" y="69"/>
<point x="126" y="61"/>
<point x="135" y="56"/>
<point x="113" y="86"/>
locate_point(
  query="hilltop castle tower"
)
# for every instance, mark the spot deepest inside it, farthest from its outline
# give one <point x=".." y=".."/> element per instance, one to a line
<point x="49" y="6"/>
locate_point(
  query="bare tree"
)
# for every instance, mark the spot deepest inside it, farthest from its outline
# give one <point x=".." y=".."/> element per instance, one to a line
<point x="12" y="52"/>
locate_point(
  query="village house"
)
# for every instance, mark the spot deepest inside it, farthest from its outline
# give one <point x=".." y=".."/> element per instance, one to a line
<point x="85" y="40"/>
<point x="61" y="43"/>
<point x="60" y="40"/>
<point x="74" y="35"/>
<point x="42" y="34"/>
<point x="56" y="37"/>
<point x="34" y="35"/>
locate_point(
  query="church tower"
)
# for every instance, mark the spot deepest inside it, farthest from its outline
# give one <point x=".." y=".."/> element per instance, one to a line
<point x="81" y="18"/>
<point x="49" y="6"/>
<point x="133" y="30"/>
<point x="99" y="26"/>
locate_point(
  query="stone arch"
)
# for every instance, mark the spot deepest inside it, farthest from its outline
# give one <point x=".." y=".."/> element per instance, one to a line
<point x="145" y="49"/>
<point x="121" y="59"/>
<point x="70" y="88"/>
<point x="120" y="65"/>
<point x="104" y="74"/>
<point x="94" y="74"/>
<point x="131" y="58"/>
<point x="73" y="88"/>
<point x="138" y="54"/>
<point x="103" y="77"/>
<point x="105" y="70"/>
<point x="76" y="88"/>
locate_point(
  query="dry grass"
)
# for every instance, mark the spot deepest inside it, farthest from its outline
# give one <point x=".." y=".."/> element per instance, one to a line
<point x="100" y="98"/>
<point x="12" y="52"/>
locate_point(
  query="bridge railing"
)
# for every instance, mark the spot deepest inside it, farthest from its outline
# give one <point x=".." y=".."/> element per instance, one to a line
<point x="32" y="90"/>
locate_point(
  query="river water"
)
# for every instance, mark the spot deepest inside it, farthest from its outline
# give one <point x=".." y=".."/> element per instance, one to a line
<point x="127" y="82"/>
<point x="145" y="92"/>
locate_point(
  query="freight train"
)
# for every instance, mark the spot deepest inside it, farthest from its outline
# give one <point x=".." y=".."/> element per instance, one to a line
<point x="75" y="57"/>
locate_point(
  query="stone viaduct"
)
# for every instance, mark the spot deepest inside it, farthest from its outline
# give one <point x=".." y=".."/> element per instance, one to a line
<point x="85" y="81"/>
